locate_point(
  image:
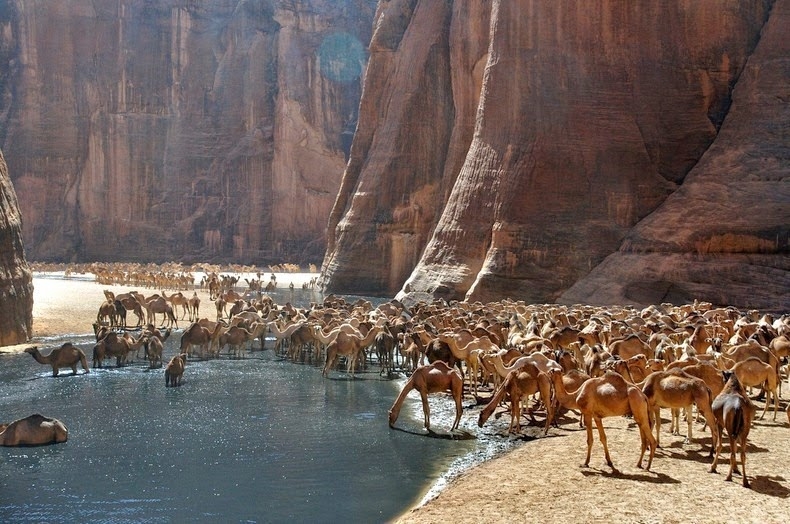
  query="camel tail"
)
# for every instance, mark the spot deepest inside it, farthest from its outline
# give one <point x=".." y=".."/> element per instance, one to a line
<point x="84" y="362"/>
<point x="738" y="423"/>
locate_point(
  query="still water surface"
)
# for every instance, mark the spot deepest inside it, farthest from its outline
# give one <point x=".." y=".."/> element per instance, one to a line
<point x="260" y="439"/>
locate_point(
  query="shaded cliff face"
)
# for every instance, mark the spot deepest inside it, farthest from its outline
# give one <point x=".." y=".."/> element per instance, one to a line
<point x="16" y="281"/>
<point x="170" y="129"/>
<point x="587" y="118"/>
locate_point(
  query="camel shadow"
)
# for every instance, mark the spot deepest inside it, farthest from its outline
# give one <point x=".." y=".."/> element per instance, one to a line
<point x="459" y="434"/>
<point x="697" y="455"/>
<point x="647" y="476"/>
<point x="770" y="486"/>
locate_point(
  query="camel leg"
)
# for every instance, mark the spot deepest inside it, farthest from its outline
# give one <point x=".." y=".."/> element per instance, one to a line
<point x="657" y="412"/>
<point x="458" y="392"/>
<point x="602" y="436"/>
<point x="426" y="410"/>
<point x="689" y="423"/>
<point x="719" y="445"/>
<point x="742" y="445"/>
<point x="588" y="426"/>
<point x="732" y="458"/>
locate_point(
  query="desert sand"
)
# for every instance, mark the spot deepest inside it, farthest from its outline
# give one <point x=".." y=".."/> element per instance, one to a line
<point x="542" y="480"/>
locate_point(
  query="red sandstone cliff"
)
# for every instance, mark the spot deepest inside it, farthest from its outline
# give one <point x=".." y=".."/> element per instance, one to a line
<point x="16" y="283"/>
<point x="600" y="151"/>
<point x="155" y="130"/>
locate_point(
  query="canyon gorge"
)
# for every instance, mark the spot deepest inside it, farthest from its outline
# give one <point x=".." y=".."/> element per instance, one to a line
<point x="602" y="152"/>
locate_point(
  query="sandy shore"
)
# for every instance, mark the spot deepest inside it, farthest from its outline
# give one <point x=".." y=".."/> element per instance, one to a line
<point x="542" y="479"/>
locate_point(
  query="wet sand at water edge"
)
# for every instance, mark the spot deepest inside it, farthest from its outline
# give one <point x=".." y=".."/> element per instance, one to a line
<point x="541" y="480"/>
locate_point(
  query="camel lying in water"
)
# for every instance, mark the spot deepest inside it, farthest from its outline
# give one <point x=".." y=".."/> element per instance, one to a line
<point x="34" y="430"/>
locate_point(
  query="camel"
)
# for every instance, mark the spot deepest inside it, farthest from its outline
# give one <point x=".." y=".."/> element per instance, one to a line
<point x="175" y="370"/>
<point x="157" y="304"/>
<point x="155" y="348"/>
<point x="33" y="430"/>
<point x="734" y="414"/>
<point x="107" y="313"/>
<point x="676" y="389"/>
<point x="235" y="338"/>
<point x="385" y="350"/>
<point x="349" y="346"/>
<point x="197" y="335"/>
<point x="520" y="384"/>
<point x="611" y="396"/>
<point x="66" y="355"/>
<point x="284" y="334"/>
<point x="178" y="299"/>
<point x="194" y="306"/>
<point x="118" y="347"/>
<point x="436" y="377"/>
<point x="131" y="302"/>
<point x="629" y="346"/>
<point x="566" y="387"/>
<point x="755" y="372"/>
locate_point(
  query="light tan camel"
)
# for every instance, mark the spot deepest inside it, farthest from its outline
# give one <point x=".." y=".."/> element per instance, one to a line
<point x="283" y="332"/>
<point x="66" y="355"/>
<point x="197" y="335"/>
<point x="755" y="372"/>
<point x="436" y="377"/>
<point x="349" y="346"/>
<point x="734" y="414"/>
<point x="611" y="396"/>
<point x="33" y="430"/>
<point x="676" y="389"/>
<point x="175" y="370"/>
<point x="519" y="384"/>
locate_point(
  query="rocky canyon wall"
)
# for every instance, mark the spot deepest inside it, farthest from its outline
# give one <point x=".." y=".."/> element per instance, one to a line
<point x="602" y="152"/>
<point x="16" y="282"/>
<point x="157" y="130"/>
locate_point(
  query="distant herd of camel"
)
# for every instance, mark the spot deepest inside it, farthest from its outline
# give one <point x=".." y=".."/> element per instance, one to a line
<point x="595" y="361"/>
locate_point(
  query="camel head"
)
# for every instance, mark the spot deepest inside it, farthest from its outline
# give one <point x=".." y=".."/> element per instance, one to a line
<point x="32" y="350"/>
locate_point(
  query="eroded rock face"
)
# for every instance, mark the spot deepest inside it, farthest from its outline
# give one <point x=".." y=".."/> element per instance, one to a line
<point x="155" y="130"/>
<point x="589" y="134"/>
<point x="16" y="281"/>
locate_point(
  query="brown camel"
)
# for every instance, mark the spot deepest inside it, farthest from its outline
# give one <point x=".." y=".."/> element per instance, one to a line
<point x="611" y="396"/>
<point x="519" y="384"/>
<point x="734" y="414"/>
<point x="107" y="313"/>
<point x="175" y="370"/>
<point x="629" y="346"/>
<point x="755" y="372"/>
<point x="33" y="430"/>
<point x="197" y="335"/>
<point x="66" y="355"/>
<point x="156" y="304"/>
<point x="348" y="346"/>
<point x="194" y="306"/>
<point x="155" y="347"/>
<point x="115" y="346"/>
<point x="178" y="299"/>
<point x="676" y="389"/>
<point x="566" y="387"/>
<point x="131" y="301"/>
<point x="436" y="377"/>
<point x="236" y="337"/>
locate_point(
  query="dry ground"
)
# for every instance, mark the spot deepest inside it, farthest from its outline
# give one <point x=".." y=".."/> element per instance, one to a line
<point x="543" y="481"/>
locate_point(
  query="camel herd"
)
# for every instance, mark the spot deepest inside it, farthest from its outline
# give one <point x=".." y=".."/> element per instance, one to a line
<point x="698" y="361"/>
